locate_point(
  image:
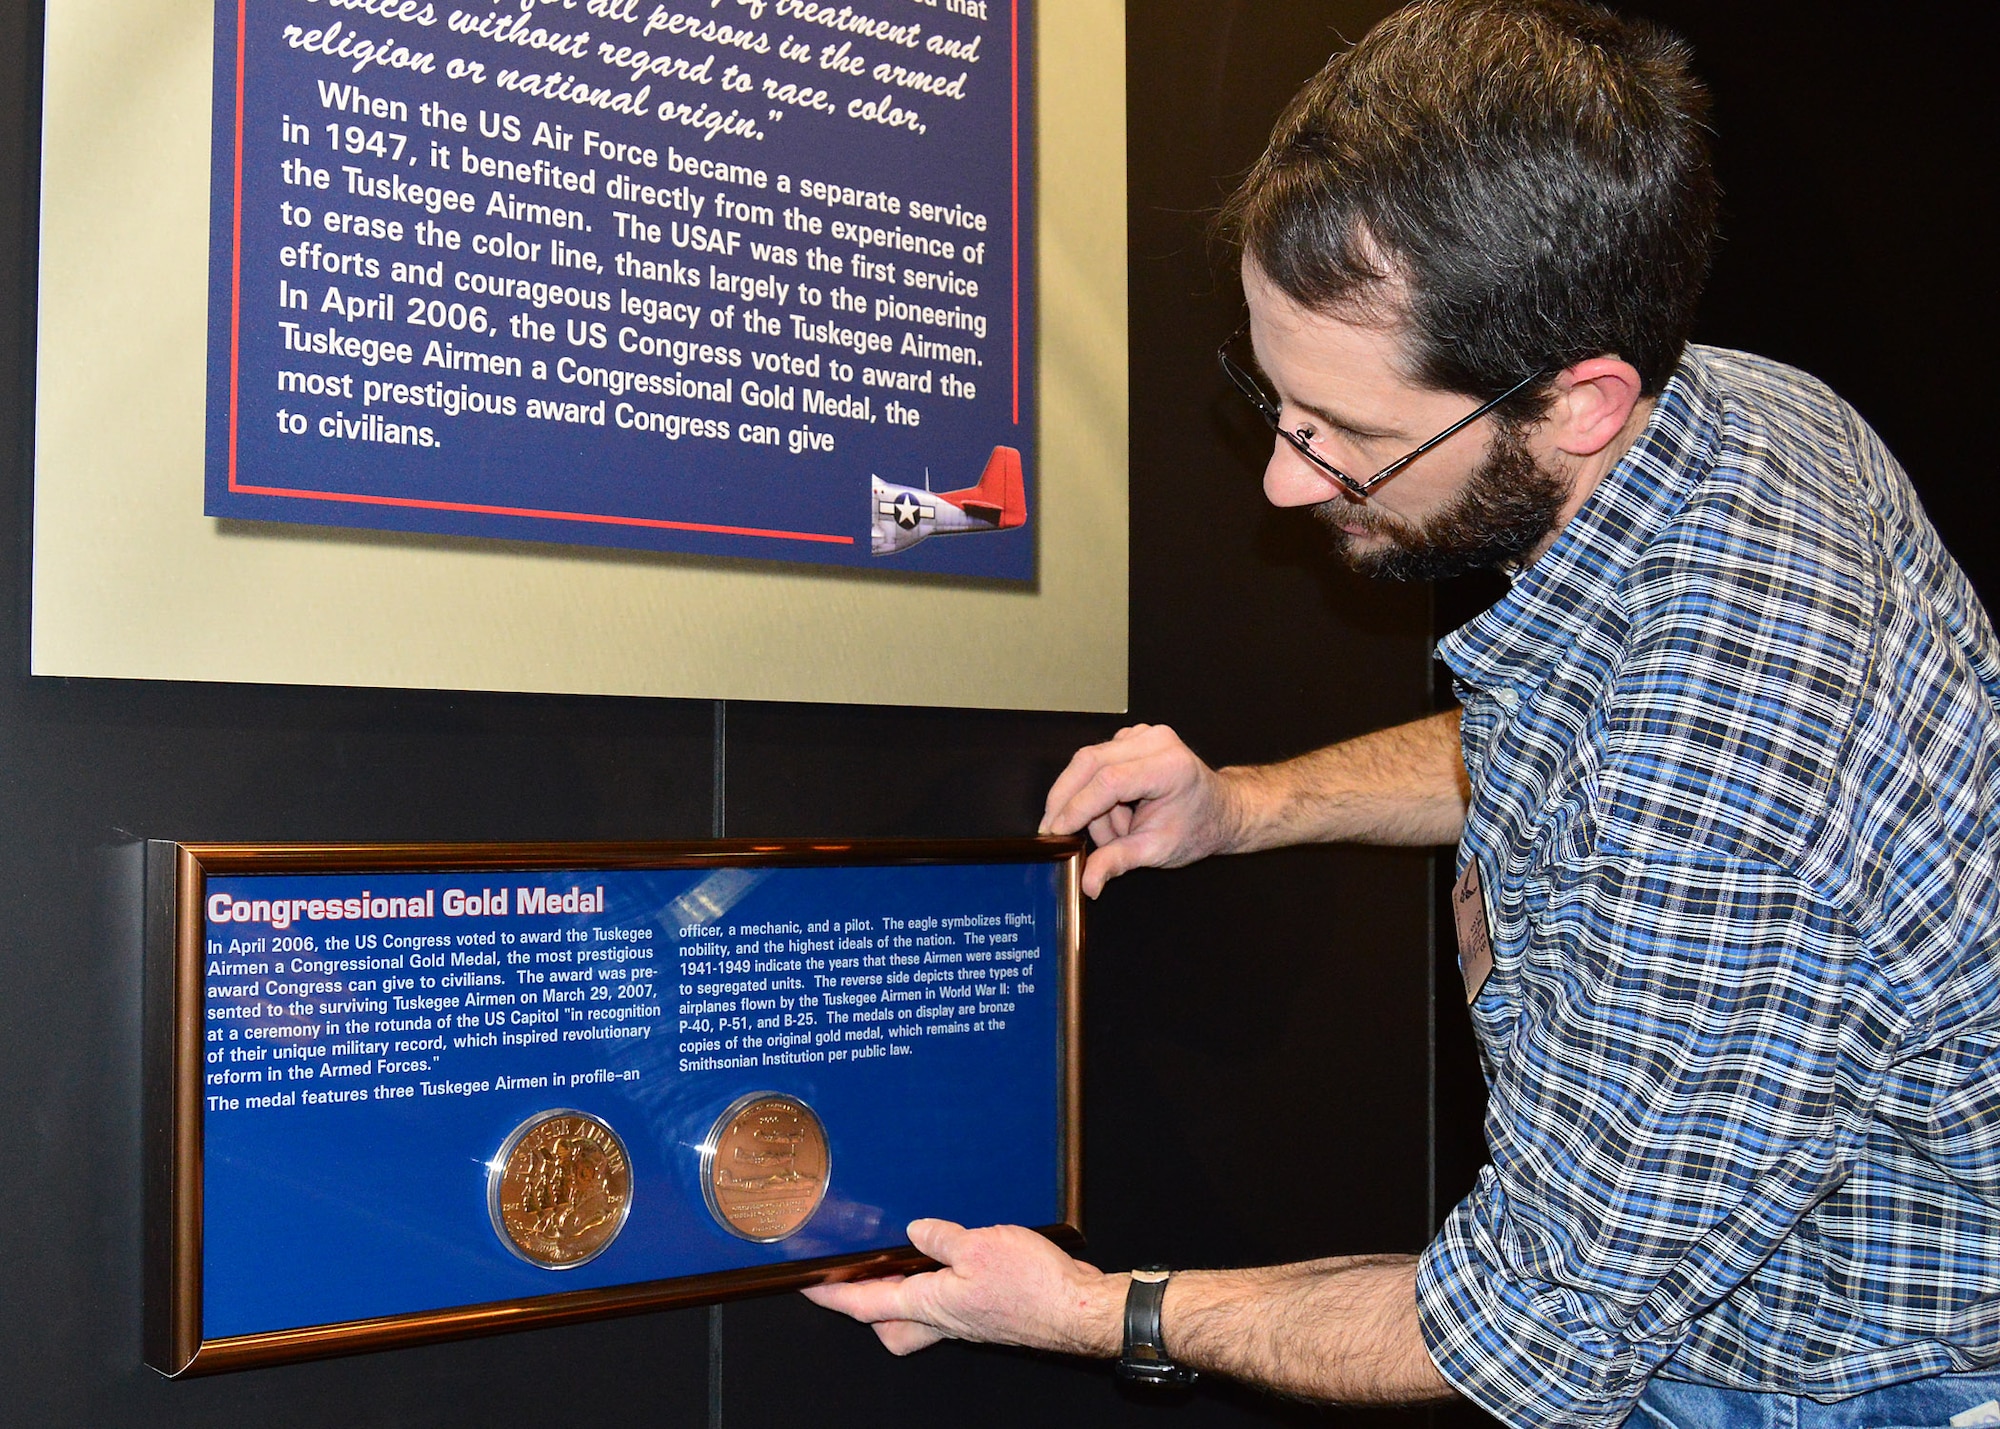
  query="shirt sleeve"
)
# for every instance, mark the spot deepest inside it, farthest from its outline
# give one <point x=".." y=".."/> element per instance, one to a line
<point x="1682" y="1051"/>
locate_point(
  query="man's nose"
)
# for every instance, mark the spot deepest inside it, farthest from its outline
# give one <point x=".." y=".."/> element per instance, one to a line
<point x="1291" y="480"/>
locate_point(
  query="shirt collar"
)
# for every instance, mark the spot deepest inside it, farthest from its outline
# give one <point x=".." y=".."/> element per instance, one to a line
<point x="1577" y="578"/>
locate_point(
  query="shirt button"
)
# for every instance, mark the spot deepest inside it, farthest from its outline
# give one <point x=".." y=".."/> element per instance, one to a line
<point x="1507" y="696"/>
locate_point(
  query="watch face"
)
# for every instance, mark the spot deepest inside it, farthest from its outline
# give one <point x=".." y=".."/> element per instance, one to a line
<point x="1150" y="1276"/>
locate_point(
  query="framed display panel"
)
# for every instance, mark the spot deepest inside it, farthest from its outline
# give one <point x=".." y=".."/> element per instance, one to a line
<point x="130" y="573"/>
<point x="708" y="285"/>
<point x="402" y="1093"/>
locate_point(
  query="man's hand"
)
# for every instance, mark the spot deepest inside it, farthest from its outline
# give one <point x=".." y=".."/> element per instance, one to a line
<point x="1147" y="801"/>
<point x="1000" y="1285"/>
<point x="1338" y="1331"/>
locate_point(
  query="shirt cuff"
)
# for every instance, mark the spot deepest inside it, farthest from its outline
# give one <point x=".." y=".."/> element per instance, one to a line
<point x="1522" y="1351"/>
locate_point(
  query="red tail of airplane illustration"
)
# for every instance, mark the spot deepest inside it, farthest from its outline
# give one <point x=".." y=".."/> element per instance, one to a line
<point x="999" y="497"/>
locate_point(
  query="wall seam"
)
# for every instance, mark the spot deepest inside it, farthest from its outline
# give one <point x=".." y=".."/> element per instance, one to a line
<point x="1431" y="984"/>
<point x="1430" y="970"/>
<point x="718" y="827"/>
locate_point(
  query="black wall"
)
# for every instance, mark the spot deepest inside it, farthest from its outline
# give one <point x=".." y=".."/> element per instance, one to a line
<point x="1856" y="145"/>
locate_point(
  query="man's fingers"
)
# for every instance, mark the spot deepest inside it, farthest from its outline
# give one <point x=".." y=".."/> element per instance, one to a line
<point x="1124" y="782"/>
<point x="994" y="1285"/>
<point x="1104" y="829"/>
<point x="1072" y="802"/>
<point x="1078" y="772"/>
<point x="901" y="1337"/>
<point x="892" y="1297"/>
<point x="866" y="1300"/>
<point x="813" y="1292"/>
<point x="1107" y="862"/>
<point x="906" y="1337"/>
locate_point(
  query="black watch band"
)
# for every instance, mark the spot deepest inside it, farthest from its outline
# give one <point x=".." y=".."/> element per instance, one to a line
<point x="1145" y="1358"/>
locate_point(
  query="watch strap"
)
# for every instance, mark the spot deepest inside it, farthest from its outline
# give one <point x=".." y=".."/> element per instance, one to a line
<point x="1145" y="1358"/>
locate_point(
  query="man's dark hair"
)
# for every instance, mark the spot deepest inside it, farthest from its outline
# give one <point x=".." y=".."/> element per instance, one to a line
<point x="1534" y="174"/>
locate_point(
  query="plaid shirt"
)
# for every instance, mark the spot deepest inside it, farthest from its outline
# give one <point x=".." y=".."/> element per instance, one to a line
<point x="1734" y="744"/>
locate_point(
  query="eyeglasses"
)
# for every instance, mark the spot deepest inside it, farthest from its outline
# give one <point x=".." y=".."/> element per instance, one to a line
<point x="1300" y="441"/>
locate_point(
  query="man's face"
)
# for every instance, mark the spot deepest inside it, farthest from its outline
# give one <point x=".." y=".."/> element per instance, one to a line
<point x="1483" y="498"/>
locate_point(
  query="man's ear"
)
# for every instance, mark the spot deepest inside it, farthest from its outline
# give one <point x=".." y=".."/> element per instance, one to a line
<point x="1593" y="401"/>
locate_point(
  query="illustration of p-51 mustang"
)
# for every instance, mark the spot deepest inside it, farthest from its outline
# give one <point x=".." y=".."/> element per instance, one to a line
<point x="905" y="515"/>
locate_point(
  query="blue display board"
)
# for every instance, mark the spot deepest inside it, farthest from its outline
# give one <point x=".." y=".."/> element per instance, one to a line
<point x="370" y="1040"/>
<point x="738" y="278"/>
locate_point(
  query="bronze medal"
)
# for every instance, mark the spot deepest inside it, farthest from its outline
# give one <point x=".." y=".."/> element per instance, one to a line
<point x="560" y="1189"/>
<point x="765" y="1166"/>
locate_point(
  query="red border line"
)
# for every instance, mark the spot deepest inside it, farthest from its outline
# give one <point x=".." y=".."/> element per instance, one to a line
<point x="1016" y="12"/>
<point x="585" y="516"/>
<point x="354" y="498"/>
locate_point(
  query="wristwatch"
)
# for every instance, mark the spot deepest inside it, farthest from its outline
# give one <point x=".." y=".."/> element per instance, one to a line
<point x="1145" y="1358"/>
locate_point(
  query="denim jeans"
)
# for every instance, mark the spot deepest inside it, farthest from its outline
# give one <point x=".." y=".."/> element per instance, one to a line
<point x="1917" y="1404"/>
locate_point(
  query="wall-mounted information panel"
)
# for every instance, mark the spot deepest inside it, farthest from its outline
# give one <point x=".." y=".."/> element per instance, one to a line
<point x="731" y="279"/>
<point x="399" y="1094"/>
<point x="719" y="349"/>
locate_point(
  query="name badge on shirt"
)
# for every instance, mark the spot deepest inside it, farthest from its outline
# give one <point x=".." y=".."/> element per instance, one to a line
<point x="1475" y="937"/>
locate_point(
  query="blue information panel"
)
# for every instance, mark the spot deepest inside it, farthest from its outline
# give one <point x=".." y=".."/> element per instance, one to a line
<point x="740" y="278"/>
<point x="369" y="1041"/>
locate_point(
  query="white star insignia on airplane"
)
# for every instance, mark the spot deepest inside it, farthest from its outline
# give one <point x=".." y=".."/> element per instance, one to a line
<point x="901" y="516"/>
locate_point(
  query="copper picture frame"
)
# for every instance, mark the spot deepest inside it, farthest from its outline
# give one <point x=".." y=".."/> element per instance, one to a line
<point x="176" y="876"/>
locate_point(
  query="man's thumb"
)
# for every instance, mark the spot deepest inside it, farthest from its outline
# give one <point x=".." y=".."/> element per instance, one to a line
<point x="936" y="1239"/>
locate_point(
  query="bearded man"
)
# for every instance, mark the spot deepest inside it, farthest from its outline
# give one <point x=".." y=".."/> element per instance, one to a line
<point x="1725" y="785"/>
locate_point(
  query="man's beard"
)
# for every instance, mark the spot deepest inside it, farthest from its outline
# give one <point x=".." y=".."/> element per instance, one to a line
<point x="1508" y="506"/>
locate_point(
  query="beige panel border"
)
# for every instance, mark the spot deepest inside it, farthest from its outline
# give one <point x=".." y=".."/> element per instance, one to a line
<point x="132" y="581"/>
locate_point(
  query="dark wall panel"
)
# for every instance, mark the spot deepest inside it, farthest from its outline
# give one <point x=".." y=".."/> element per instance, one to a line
<point x="1854" y="142"/>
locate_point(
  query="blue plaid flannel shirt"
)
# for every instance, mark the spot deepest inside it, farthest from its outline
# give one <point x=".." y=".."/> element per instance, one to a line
<point x="1734" y="744"/>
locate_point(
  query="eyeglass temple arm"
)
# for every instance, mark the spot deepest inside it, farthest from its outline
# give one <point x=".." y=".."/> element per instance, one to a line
<point x="1447" y="434"/>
